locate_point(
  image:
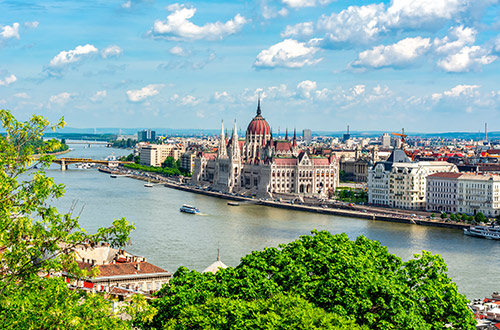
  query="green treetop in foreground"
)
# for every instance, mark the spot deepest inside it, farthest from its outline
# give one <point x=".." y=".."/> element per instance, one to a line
<point x="314" y="281"/>
<point x="37" y="241"/>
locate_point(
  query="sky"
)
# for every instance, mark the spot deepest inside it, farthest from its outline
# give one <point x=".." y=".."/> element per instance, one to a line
<point x="425" y="65"/>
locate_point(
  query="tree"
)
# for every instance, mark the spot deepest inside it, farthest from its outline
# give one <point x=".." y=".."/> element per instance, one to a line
<point x="479" y="217"/>
<point x="444" y="215"/>
<point x="36" y="241"/>
<point x="170" y="163"/>
<point x="278" y="312"/>
<point x="358" y="280"/>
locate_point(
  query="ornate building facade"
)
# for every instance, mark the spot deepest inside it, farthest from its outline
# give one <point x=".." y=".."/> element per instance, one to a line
<point x="261" y="166"/>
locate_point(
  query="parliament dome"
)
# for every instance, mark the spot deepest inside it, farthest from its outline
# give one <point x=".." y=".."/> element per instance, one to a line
<point x="258" y="125"/>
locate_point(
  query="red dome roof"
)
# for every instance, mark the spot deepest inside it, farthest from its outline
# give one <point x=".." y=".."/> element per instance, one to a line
<point x="258" y="125"/>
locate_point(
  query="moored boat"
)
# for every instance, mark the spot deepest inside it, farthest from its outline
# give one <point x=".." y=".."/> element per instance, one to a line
<point x="490" y="232"/>
<point x="189" y="209"/>
<point x="233" y="203"/>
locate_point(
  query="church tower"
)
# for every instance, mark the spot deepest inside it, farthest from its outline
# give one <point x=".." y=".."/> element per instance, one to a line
<point x="235" y="166"/>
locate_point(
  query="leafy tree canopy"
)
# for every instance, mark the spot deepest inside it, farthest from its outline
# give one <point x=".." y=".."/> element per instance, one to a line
<point x="356" y="281"/>
<point x="36" y="241"/>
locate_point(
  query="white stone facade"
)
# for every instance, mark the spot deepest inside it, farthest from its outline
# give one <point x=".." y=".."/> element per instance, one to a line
<point x="400" y="183"/>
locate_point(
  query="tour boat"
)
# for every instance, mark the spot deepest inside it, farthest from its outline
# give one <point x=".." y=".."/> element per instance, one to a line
<point x="233" y="203"/>
<point x="490" y="232"/>
<point x="148" y="185"/>
<point x="189" y="209"/>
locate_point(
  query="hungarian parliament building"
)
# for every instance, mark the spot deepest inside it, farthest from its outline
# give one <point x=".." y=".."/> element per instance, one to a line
<point x="264" y="167"/>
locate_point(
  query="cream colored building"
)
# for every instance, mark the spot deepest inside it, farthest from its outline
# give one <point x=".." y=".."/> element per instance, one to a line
<point x="156" y="154"/>
<point x="464" y="193"/>
<point x="401" y="183"/>
<point x="479" y="193"/>
<point x="442" y="190"/>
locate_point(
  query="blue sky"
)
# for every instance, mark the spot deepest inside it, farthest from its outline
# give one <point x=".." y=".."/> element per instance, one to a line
<point x="425" y="65"/>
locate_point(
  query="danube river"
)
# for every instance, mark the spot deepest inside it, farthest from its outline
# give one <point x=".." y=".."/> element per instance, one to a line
<point x="171" y="239"/>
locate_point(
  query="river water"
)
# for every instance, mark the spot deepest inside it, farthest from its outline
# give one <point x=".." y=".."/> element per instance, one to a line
<point x="171" y="239"/>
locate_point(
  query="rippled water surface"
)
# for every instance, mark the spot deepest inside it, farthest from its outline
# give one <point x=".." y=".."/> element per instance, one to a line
<point x="170" y="239"/>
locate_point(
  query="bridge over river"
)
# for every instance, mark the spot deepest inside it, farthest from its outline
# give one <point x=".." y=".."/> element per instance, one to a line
<point x="64" y="162"/>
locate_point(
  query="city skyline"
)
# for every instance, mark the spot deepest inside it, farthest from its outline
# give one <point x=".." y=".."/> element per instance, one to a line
<point x="428" y="66"/>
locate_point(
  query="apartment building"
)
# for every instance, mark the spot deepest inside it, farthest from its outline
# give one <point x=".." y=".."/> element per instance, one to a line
<point x="464" y="193"/>
<point x="401" y="183"/>
<point x="155" y="154"/>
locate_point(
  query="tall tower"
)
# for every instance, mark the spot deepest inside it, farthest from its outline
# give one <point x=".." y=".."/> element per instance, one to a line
<point x="222" y="142"/>
<point x="235" y="165"/>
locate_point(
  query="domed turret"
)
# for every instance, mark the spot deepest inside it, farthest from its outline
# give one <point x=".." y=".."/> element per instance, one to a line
<point x="258" y="125"/>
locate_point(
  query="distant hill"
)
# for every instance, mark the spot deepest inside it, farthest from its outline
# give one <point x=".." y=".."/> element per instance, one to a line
<point x="107" y="131"/>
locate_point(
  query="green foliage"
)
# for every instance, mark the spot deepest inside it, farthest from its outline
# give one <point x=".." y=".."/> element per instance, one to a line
<point x="37" y="241"/>
<point x="170" y="162"/>
<point x="433" y="215"/>
<point x="355" y="280"/>
<point x="444" y="215"/>
<point x="351" y="195"/>
<point x="479" y="217"/>
<point x="277" y="312"/>
<point x="128" y="143"/>
<point x="167" y="171"/>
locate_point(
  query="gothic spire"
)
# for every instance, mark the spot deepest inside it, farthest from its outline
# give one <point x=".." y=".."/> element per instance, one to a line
<point x="222" y="143"/>
<point x="286" y="134"/>
<point x="258" y="108"/>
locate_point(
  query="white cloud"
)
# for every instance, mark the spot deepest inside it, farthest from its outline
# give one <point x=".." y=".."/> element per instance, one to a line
<point x="436" y="96"/>
<point x="59" y="99"/>
<point x="462" y="90"/>
<point x="177" y="26"/>
<point x="399" y="54"/>
<point x="140" y="95"/>
<point x="189" y="100"/>
<point x="305" y="29"/>
<point x="178" y="51"/>
<point x="460" y="36"/>
<point x="288" y="54"/>
<point x="467" y="59"/>
<point x="10" y="31"/>
<point x="99" y="96"/>
<point x="362" y="24"/>
<point x="8" y="80"/>
<point x="127" y="4"/>
<point x="304" y="88"/>
<point x="72" y="56"/>
<point x="358" y="89"/>
<point x="111" y="51"/>
<point x="269" y="12"/>
<point x="354" y="24"/>
<point x="31" y="25"/>
<point x="22" y="95"/>
<point x="223" y="96"/>
<point x="305" y="3"/>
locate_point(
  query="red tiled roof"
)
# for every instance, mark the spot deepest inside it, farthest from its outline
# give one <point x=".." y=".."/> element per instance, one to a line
<point x="209" y="155"/>
<point x="320" y="161"/>
<point x="449" y="175"/>
<point x="285" y="161"/>
<point x="283" y="146"/>
<point x="258" y="126"/>
<point x="129" y="268"/>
